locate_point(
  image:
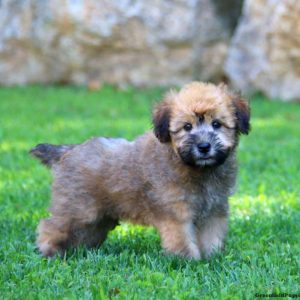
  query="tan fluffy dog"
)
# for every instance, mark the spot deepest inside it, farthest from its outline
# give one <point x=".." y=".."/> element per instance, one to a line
<point x="177" y="179"/>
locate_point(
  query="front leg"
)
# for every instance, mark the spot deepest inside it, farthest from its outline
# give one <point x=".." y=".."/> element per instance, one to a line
<point x="179" y="238"/>
<point x="211" y="235"/>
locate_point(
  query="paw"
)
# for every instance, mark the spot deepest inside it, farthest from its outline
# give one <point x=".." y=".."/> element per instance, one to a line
<point x="50" y="241"/>
<point x="194" y="252"/>
<point x="47" y="249"/>
<point x="190" y="251"/>
<point x="212" y="247"/>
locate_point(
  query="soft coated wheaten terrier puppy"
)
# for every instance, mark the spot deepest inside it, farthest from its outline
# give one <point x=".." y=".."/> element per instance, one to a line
<point x="177" y="178"/>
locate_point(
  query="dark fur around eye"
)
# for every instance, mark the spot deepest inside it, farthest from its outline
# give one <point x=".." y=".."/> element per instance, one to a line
<point x="188" y="127"/>
<point x="216" y="124"/>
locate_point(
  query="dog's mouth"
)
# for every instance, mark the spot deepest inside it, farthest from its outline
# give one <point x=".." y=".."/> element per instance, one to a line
<point x="192" y="157"/>
<point x="205" y="161"/>
<point x="206" y="158"/>
<point x="203" y="156"/>
<point x="217" y="159"/>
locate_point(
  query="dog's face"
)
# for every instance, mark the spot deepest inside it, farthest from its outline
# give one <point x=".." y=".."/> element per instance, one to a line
<point x="202" y="122"/>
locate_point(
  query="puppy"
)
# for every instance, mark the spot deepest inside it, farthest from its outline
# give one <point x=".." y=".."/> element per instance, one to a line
<point x="177" y="178"/>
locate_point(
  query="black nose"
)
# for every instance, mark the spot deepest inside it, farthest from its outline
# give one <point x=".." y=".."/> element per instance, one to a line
<point x="204" y="147"/>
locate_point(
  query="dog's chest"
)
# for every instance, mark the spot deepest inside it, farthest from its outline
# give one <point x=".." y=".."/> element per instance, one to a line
<point x="208" y="197"/>
<point x="206" y="202"/>
<point x="200" y="199"/>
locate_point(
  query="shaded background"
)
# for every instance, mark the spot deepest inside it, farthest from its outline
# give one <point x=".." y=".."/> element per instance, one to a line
<point x="252" y="44"/>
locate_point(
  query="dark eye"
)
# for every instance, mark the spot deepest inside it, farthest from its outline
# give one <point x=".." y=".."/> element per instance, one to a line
<point x="216" y="124"/>
<point x="201" y="118"/>
<point x="188" y="127"/>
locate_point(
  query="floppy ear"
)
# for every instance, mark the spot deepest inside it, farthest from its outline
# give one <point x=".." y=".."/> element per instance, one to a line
<point x="242" y="112"/>
<point x="161" y="120"/>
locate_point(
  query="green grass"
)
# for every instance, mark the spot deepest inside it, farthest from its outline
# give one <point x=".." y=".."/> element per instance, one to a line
<point x="263" y="247"/>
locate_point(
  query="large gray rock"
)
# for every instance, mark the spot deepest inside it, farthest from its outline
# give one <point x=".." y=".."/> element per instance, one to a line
<point x="139" y="42"/>
<point x="265" y="52"/>
<point x="214" y="25"/>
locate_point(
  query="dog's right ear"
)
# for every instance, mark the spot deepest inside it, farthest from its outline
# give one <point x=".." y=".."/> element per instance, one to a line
<point x="161" y="119"/>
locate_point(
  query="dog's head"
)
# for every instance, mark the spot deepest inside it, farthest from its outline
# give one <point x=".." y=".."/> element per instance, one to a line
<point x="202" y="122"/>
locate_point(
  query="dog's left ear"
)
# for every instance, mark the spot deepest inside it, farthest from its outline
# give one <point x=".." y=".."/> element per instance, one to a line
<point x="161" y="119"/>
<point x="242" y="112"/>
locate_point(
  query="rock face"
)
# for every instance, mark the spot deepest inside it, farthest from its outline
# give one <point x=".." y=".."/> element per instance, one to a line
<point x="157" y="42"/>
<point x="265" y="51"/>
<point x="214" y="25"/>
<point x="138" y="42"/>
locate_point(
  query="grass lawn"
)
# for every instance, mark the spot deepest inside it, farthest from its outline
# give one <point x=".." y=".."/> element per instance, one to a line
<point x="262" y="253"/>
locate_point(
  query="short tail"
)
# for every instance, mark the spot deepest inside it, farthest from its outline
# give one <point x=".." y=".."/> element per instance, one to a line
<point x="50" y="154"/>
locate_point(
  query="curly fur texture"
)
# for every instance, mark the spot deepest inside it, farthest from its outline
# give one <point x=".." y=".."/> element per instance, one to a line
<point x="165" y="178"/>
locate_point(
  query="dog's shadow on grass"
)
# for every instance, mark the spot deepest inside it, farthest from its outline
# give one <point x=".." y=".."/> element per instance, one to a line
<point x="132" y="241"/>
<point x="137" y="242"/>
<point x="249" y="234"/>
<point x="136" y="248"/>
<point x="139" y="245"/>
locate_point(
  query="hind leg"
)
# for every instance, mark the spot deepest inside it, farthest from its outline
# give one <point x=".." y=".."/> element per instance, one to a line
<point x="53" y="236"/>
<point x="78" y="209"/>
<point x="57" y="234"/>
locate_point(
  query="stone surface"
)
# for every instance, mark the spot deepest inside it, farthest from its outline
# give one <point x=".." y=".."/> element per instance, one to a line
<point x="140" y="42"/>
<point x="265" y="51"/>
<point x="214" y="27"/>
